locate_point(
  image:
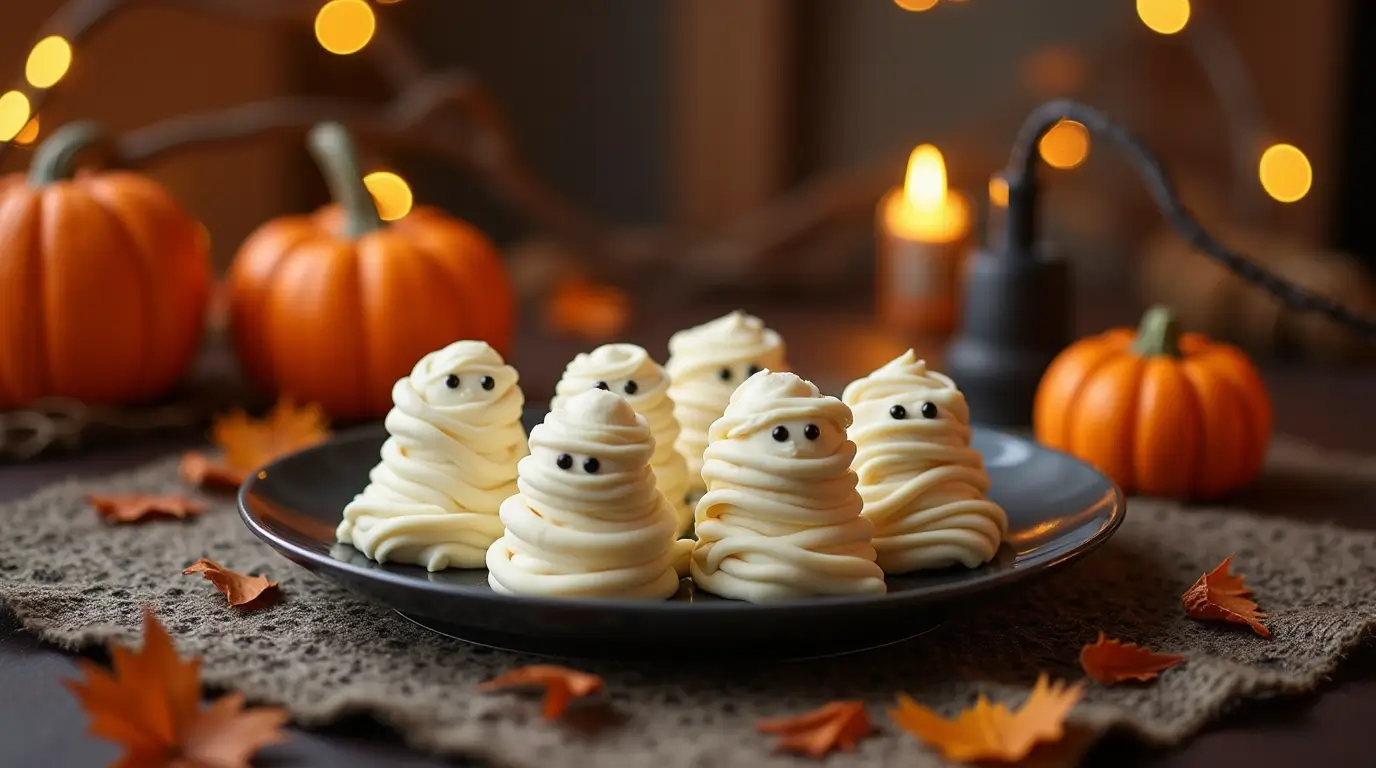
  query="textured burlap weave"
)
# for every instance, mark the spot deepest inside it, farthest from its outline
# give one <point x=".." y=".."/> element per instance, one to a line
<point x="77" y="582"/>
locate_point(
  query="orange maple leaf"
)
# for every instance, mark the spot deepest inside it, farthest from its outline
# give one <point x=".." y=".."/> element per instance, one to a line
<point x="133" y="507"/>
<point x="838" y="725"/>
<point x="199" y="470"/>
<point x="151" y="706"/>
<point x="992" y="732"/>
<point x="1112" y="661"/>
<point x="561" y="685"/>
<point x="241" y="589"/>
<point x="250" y="443"/>
<point x="1221" y="596"/>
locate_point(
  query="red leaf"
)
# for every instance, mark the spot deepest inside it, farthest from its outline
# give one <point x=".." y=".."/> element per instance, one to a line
<point x="1112" y="661"/>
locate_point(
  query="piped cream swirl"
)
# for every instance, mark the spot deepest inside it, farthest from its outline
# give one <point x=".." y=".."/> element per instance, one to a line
<point x="781" y="515"/>
<point x="449" y="461"/>
<point x="588" y="520"/>
<point x="923" y="485"/>
<point x="629" y="371"/>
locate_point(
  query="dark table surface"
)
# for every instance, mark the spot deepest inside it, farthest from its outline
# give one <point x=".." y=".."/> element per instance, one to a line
<point x="41" y="726"/>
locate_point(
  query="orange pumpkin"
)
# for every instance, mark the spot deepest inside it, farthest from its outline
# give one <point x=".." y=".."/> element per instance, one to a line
<point x="334" y="307"/>
<point x="1160" y="412"/>
<point x="104" y="280"/>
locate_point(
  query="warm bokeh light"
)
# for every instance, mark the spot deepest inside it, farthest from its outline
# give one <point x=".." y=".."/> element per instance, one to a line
<point x="915" y="5"/>
<point x="30" y="132"/>
<point x="1164" y="16"/>
<point x="998" y="191"/>
<point x="345" y="26"/>
<point x="1065" y="146"/>
<point x="14" y="114"/>
<point x="48" y="61"/>
<point x="925" y="209"/>
<point x="924" y="186"/>
<point x="391" y="193"/>
<point x="1285" y="173"/>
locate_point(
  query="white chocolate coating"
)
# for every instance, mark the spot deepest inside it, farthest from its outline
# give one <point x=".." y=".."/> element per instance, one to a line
<point x="737" y="344"/>
<point x="629" y="371"/>
<point x="571" y="532"/>
<point x="924" y="486"/>
<point x="781" y="518"/>
<point x="449" y="462"/>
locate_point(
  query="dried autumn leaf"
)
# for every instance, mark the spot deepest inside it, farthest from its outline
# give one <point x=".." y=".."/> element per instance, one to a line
<point x="198" y="470"/>
<point x="992" y="732"/>
<point x="561" y="685"/>
<point x="151" y="706"/>
<point x="838" y="725"/>
<point x="133" y="507"/>
<point x="1222" y="596"/>
<point x="1112" y="661"/>
<point x="250" y="443"/>
<point x="241" y="589"/>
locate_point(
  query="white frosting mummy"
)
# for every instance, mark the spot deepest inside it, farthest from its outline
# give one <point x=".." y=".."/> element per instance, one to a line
<point x="589" y="521"/>
<point x="923" y="485"/>
<point x="455" y="437"/>
<point x="706" y="364"/>
<point x="629" y="371"/>
<point x="781" y="515"/>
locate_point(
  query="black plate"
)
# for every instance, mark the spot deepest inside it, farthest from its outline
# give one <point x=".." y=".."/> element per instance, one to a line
<point x="1058" y="508"/>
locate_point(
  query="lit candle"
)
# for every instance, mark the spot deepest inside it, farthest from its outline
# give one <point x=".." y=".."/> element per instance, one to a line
<point x="922" y="228"/>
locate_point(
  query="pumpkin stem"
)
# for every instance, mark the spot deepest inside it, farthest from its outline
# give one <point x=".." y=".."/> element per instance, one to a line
<point x="55" y="158"/>
<point x="1158" y="334"/>
<point x="334" y="152"/>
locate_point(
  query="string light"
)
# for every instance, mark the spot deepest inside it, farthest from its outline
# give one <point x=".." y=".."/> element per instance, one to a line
<point x="998" y="191"/>
<point x="48" y="61"/>
<point x="915" y="5"/>
<point x="1164" y="16"/>
<point x="391" y="193"/>
<point x="345" y="26"/>
<point x="29" y="133"/>
<point x="1065" y="146"/>
<point x="1285" y="173"/>
<point x="14" y="114"/>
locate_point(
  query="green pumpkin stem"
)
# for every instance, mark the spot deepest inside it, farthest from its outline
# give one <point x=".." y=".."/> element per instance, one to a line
<point x="55" y="159"/>
<point x="1158" y="334"/>
<point x="334" y="152"/>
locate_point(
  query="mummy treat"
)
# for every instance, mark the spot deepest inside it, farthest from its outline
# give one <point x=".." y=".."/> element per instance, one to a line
<point x="589" y="521"/>
<point x="629" y="371"/>
<point x="781" y="515"/>
<point x="706" y="364"/>
<point x="455" y="437"/>
<point x="923" y="485"/>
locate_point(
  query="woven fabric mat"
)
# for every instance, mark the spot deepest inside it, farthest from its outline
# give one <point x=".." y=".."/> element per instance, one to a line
<point x="322" y="653"/>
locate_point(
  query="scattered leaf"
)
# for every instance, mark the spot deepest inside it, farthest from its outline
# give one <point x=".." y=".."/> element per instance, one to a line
<point x="1221" y="596"/>
<point x="250" y="443"/>
<point x="992" y="732"/>
<point x="586" y="310"/>
<point x="200" y="471"/>
<point x="838" y="725"/>
<point x="133" y="507"/>
<point x="151" y="706"/>
<point x="241" y="589"/>
<point x="1112" y="661"/>
<point x="561" y="685"/>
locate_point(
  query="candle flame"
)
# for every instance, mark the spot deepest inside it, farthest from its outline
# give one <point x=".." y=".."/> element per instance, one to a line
<point x="924" y="187"/>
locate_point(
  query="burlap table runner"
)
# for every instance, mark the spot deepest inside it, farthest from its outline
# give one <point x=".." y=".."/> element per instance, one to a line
<point x="322" y="653"/>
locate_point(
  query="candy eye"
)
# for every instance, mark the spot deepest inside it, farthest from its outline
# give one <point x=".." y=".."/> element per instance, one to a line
<point x="602" y="385"/>
<point x="564" y="461"/>
<point x="752" y="370"/>
<point x="780" y="433"/>
<point x="489" y="383"/>
<point x="811" y="432"/>
<point x="451" y="381"/>
<point x="592" y="465"/>
<point x="631" y="387"/>
<point x="724" y="374"/>
<point x="929" y="410"/>
<point x="898" y="412"/>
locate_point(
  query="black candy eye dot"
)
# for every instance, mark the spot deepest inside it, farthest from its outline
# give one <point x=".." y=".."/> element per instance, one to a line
<point x="724" y="374"/>
<point x="898" y="412"/>
<point x="631" y="387"/>
<point x="564" y="461"/>
<point x="929" y="410"/>
<point x="602" y="385"/>
<point x="591" y="465"/>
<point x="489" y="383"/>
<point x="451" y="381"/>
<point x="812" y="432"/>
<point x="780" y="433"/>
<point x="752" y="370"/>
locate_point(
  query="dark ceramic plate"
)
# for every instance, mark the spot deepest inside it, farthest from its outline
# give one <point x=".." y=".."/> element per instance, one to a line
<point x="1058" y="509"/>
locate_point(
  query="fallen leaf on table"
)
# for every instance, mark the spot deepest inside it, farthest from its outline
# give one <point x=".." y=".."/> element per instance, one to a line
<point x="1221" y="596"/>
<point x="561" y="685"/>
<point x="199" y="470"/>
<point x="241" y="589"/>
<point x="250" y="443"/>
<point x="1112" y="661"/>
<point x="838" y="725"/>
<point x="151" y="706"/>
<point x="133" y="507"/>
<point x="587" y="310"/>
<point x="992" y="732"/>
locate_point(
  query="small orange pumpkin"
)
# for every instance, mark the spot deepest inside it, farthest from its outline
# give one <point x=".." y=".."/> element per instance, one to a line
<point x="334" y="307"/>
<point x="1160" y="412"/>
<point x="104" y="280"/>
